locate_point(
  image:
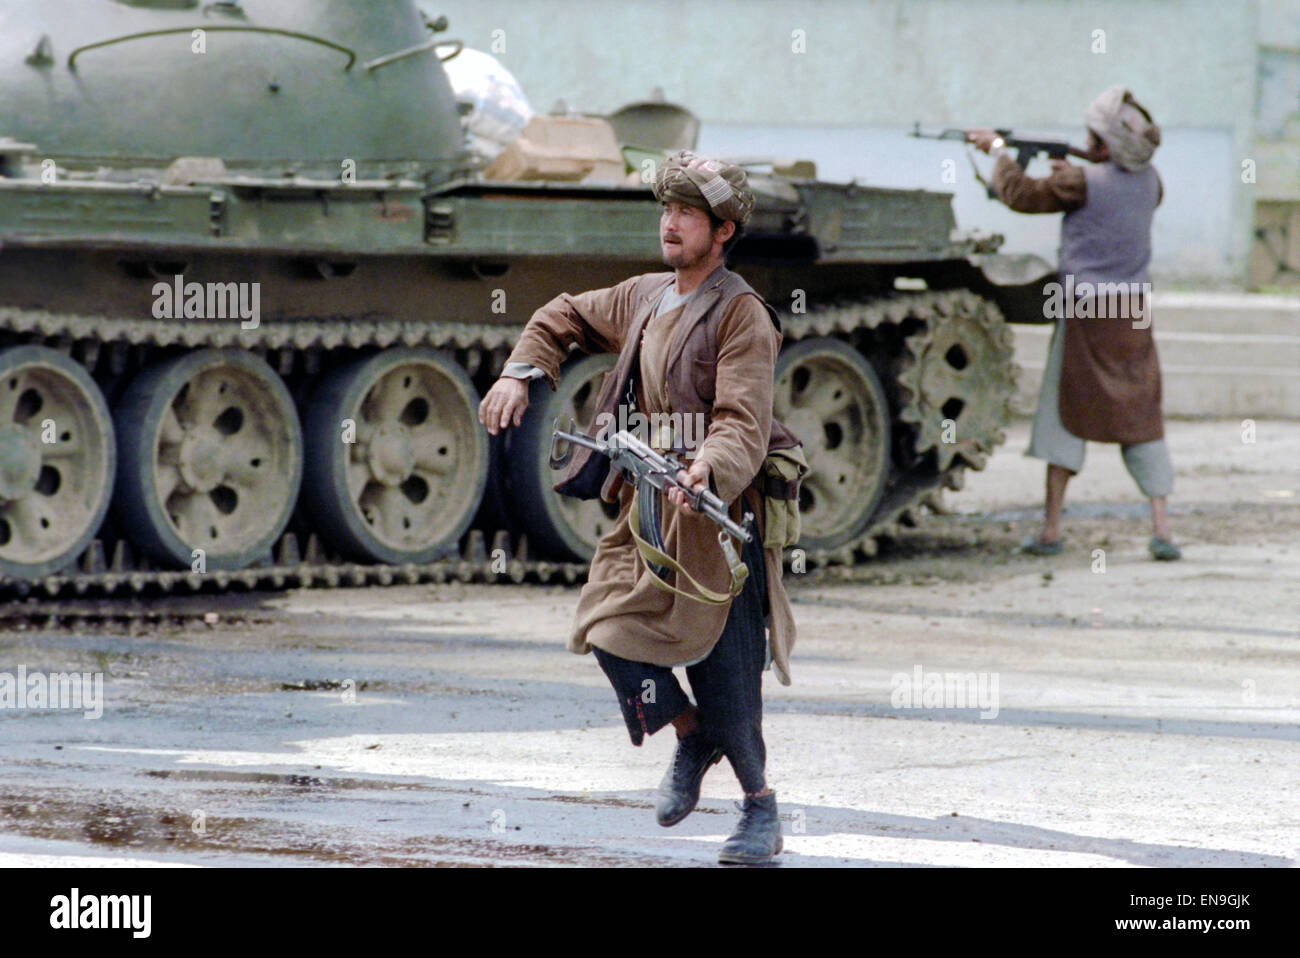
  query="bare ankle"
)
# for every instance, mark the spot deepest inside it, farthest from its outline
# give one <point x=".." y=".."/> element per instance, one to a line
<point x="688" y="723"/>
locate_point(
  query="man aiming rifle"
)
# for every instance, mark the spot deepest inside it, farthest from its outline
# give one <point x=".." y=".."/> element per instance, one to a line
<point x="1102" y="377"/>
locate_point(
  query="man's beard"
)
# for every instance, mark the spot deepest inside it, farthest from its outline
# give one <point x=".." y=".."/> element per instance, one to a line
<point x="681" y="258"/>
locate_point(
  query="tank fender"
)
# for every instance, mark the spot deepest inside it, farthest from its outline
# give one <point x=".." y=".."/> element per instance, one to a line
<point x="1015" y="282"/>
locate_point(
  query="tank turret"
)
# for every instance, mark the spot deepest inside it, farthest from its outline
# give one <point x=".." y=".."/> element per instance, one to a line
<point x="269" y="85"/>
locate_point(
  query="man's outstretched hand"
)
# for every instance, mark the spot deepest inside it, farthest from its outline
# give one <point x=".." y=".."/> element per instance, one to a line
<point x="504" y="403"/>
<point x="982" y="137"/>
<point x="694" y="478"/>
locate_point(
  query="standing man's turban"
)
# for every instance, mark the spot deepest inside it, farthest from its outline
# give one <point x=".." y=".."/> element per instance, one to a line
<point x="1124" y="126"/>
<point x="706" y="184"/>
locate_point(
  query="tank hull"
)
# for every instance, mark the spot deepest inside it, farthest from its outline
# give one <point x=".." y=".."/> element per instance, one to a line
<point x="282" y="319"/>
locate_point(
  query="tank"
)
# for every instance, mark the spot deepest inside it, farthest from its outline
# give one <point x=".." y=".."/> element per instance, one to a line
<point x="253" y="285"/>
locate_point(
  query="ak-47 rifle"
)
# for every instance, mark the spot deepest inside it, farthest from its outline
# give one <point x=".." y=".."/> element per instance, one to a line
<point x="1025" y="148"/>
<point x="653" y="472"/>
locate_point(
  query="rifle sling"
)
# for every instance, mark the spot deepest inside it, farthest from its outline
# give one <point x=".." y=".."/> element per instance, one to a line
<point x="652" y="555"/>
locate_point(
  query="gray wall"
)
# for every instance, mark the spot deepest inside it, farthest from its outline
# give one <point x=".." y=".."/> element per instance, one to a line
<point x="871" y="68"/>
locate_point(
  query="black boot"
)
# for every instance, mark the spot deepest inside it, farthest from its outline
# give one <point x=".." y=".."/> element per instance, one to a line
<point x="757" y="838"/>
<point x="680" y="789"/>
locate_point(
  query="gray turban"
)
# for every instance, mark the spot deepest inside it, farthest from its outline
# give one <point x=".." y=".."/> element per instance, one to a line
<point x="706" y="184"/>
<point x="1124" y="126"/>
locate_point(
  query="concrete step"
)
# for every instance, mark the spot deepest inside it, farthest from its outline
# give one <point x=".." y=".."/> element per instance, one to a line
<point x="1214" y="350"/>
<point x="1220" y="355"/>
<point x="1227" y="313"/>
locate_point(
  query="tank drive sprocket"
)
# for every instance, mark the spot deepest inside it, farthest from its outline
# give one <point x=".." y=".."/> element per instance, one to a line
<point x="957" y="381"/>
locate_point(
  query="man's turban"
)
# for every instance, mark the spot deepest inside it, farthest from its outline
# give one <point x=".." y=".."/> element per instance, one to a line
<point x="1124" y="126"/>
<point x="706" y="184"/>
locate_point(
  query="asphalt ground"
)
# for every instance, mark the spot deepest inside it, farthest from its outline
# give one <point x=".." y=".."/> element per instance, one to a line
<point x="1123" y="712"/>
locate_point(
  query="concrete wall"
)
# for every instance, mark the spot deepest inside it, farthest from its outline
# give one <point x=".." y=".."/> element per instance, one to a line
<point x="1275" y="260"/>
<point x="837" y="81"/>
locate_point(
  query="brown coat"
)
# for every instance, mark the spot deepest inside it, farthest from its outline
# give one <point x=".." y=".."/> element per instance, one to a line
<point x="1110" y="387"/>
<point x="620" y="610"/>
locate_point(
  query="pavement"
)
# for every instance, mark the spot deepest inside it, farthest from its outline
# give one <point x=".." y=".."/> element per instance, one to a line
<point x="954" y="704"/>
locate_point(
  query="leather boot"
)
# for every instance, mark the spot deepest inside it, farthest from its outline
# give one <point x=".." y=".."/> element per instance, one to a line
<point x="757" y="838"/>
<point x="680" y="790"/>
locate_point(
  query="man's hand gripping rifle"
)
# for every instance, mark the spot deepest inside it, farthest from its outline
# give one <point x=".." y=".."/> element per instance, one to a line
<point x="653" y="472"/>
<point x="1025" y="148"/>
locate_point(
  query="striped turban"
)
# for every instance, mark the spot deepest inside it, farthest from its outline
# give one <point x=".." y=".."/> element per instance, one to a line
<point x="1124" y="126"/>
<point x="714" y="185"/>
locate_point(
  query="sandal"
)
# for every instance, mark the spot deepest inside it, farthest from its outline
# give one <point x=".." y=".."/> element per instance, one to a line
<point x="1163" y="549"/>
<point x="1036" y="547"/>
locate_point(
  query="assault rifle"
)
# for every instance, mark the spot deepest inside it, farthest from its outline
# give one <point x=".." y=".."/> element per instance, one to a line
<point x="1025" y="148"/>
<point x="652" y="471"/>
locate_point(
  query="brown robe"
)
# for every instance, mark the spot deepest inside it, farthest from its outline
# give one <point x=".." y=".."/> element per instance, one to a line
<point x="1110" y="388"/>
<point x="620" y="610"/>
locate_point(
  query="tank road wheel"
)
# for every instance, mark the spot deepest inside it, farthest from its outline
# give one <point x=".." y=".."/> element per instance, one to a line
<point x="561" y="526"/>
<point x="396" y="458"/>
<point x="211" y="459"/>
<point x="958" y="370"/>
<point x="829" y="395"/>
<point x="57" y="461"/>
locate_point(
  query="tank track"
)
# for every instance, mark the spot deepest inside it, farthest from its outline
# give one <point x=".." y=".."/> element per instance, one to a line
<point x="916" y="487"/>
<point x="484" y="555"/>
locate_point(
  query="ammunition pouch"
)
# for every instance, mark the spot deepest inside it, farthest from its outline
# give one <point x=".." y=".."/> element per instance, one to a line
<point x="778" y="483"/>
